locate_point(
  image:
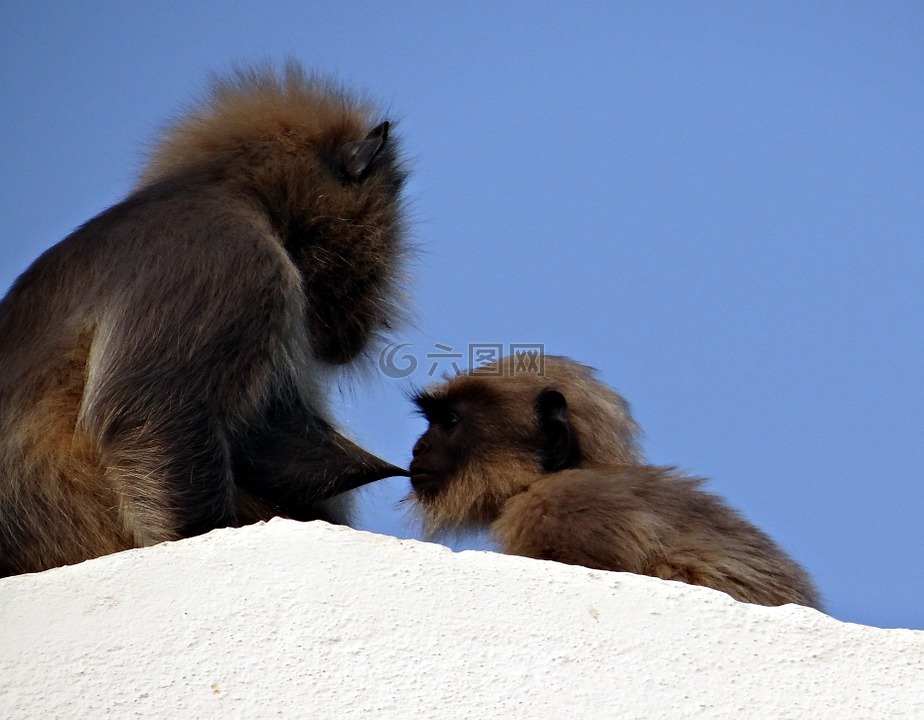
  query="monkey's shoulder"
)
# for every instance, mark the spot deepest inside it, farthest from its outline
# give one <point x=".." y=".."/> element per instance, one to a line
<point x="579" y="517"/>
<point x="625" y="483"/>
<point x="168" y="233"/>
<point x="632" y="501"/>
<point x="598" y="496"/>
<point x="176" y="213"/>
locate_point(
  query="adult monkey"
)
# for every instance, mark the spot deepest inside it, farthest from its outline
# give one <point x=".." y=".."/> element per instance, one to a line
<point x="163" y="367"/>
<point x="549" y="462"/>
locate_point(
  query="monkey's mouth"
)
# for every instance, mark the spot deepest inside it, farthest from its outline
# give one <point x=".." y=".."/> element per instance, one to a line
<point x="425" y="483"/>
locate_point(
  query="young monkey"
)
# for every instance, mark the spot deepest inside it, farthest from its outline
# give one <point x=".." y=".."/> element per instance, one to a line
<point x="550" y="463"/>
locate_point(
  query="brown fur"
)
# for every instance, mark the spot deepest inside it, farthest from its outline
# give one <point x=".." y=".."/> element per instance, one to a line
<point x="164" y="367"/>
<point x="550" y="463"/>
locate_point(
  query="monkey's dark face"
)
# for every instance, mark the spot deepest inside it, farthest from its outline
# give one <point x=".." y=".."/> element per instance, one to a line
<point x="472" y="423"/>
<point x="440" y="451"/>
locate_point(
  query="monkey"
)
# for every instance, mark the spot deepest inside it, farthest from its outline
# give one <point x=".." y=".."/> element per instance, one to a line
<point x="549" y="461"/>
<point x="164" y="368"/>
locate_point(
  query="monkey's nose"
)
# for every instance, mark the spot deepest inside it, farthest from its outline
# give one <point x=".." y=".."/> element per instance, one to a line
<point x="420" y="447"/>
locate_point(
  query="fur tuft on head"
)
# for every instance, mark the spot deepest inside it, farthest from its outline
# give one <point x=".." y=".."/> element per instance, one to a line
<point x="254" y="105"/>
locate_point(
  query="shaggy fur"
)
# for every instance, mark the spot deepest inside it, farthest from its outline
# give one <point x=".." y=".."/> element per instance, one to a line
<point x="163" y="367"/>
<point x="550" y="463"/>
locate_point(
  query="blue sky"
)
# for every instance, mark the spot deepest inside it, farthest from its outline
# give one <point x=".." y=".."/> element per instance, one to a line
<point x="719" y="205"/>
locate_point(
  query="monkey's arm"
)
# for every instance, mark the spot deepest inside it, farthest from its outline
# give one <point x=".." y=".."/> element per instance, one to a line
<point x="194" y="333"/>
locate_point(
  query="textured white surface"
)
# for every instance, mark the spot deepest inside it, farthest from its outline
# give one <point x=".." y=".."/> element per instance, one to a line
<point x="308" y="620"/>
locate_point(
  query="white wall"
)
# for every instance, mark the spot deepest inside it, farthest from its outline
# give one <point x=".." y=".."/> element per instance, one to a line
<point x="313" y="621"/>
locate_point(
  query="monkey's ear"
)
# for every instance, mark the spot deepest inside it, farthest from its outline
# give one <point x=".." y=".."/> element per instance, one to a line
<point x="558" y="442"/>
<point x="357" y="156"/>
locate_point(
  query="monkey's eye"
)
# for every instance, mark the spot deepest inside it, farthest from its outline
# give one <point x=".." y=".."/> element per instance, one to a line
<point x="445" y="420"/>
<point x="438" y="411"/>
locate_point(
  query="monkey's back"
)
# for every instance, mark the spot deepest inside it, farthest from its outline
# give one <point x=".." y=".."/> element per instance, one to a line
<point x="651" y="521"/>
<point x="139" y="270"/>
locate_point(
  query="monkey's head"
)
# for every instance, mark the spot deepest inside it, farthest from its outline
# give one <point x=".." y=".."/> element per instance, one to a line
<point x="326" y="170"/>
<point x="496" y="429"/>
